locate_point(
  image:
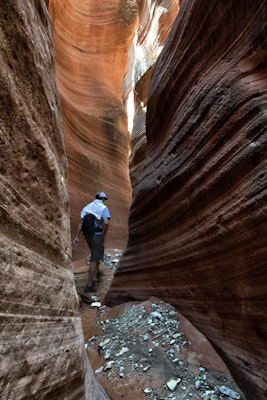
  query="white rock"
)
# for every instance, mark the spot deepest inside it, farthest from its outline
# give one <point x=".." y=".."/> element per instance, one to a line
<point x="197" y="384"/>
<point x="121" y="372"/>
<point x="145" y="369"/>
<point x="147" y="390"/>
<point x="107" y="354"/>
<point x="229" y="392"/>
<point x="176" y="335"/>
<point x="104" y="343"/>
<point x="157" y="314"/>
<point x="108" y="365"/>
<point x="96" y="304"/>
<point x="173" y="382"/>
<point x="122" y="351"/>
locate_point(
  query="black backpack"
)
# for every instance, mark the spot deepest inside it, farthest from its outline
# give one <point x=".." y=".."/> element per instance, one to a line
<point x="88" y="225"/>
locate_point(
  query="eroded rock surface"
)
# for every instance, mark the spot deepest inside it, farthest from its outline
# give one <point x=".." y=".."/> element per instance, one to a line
<point x="95" y="54"/>
<point x="198" y="220"/>
<point x="41" y="339"/>
<point x="91" y="42"/>
<point x="155" y="22"/>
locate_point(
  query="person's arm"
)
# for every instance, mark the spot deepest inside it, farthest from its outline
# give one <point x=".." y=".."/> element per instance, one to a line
<point x="105" y="227"/>
<point x="76" y="240"/>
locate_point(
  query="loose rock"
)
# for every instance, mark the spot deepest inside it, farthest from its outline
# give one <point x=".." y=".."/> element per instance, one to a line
<point x="146" y="345"/>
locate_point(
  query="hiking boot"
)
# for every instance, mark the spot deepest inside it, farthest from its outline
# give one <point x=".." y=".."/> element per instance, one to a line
<point x="89" y="288"/>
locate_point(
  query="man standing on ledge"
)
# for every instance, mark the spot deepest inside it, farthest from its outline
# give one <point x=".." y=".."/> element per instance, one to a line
<point x="96" y="242"/>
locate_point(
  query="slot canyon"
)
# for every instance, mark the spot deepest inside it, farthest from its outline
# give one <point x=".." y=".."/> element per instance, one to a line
<point x="161" y="104"/>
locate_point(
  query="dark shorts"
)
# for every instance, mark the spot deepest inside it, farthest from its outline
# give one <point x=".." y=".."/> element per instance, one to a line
<point x="96" y="245"/>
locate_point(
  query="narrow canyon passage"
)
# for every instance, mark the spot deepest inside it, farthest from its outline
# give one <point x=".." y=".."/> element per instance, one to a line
<point x="197" y="162"/>
<point x="190" y="216"/>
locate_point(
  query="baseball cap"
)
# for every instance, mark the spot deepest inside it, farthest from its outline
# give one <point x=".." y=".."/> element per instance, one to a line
<point x="101" y="195"/>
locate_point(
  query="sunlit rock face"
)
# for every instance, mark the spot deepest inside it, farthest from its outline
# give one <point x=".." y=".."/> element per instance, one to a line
<point x="198" y="220"/>
<point x="41" y="340"/>
<point x="96" y="46"/>
<point x="91" y="40"/>
<point x="155" y="22"/>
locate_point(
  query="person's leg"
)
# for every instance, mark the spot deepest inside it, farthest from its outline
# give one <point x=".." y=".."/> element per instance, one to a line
<point x="96" y="244"/>
<point x="92" y="272"/>
<point x="98" y="272"/>
<point x="100" y="253"/>
<point x="92" y="269"/>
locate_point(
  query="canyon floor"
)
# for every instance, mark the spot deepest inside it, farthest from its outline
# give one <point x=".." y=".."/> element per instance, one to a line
<point x="147" y="350"/>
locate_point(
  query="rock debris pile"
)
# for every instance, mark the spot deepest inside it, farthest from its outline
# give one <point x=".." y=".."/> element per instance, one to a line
<point x="111" y="260"/>
<point x="145" y="345"/>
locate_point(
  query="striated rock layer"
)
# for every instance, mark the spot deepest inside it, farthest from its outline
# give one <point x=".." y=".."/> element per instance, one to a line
<point x="91" y="41"/>
<point x="41" y="339"/>
<point x="96" y="47"/>
<point x="155" y="22"/>
<point x="198" y="227"/>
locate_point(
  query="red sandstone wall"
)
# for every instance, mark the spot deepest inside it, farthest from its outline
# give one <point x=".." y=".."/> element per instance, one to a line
<point x="95" y="58"/>
<point x="91" y="40"/>
<point x="42" y="353"/>
<point x="198" y="224"/>
<point x="155" y="22"/>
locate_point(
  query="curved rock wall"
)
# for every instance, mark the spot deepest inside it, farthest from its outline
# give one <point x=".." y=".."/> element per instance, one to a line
<point x="198" y="220"/>
<point x="91" y="41"/>
<point x="42" y="352"/>
<point x="95" y="52"/>
<point x="155" y="22"/>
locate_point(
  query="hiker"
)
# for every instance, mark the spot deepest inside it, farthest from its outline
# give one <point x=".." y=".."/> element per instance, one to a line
<point x="96" y="241"/>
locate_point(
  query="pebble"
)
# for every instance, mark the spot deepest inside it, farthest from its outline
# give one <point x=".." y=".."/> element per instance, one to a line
<point x="173" y="382"/>
<point x="145" y="369"/>
<point x="121" y="372"/>
<point x="104" y="343"/>
<point x="197" y="384"/>
<point x="229" y="392"/>
<point x="108" y="365"/>
<point x="122" y="351"/>
<point x="96" y="304"/>
<point x="147" y="390"/>
<point x="107" y="354"/>
<point x="158" y="315"/>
